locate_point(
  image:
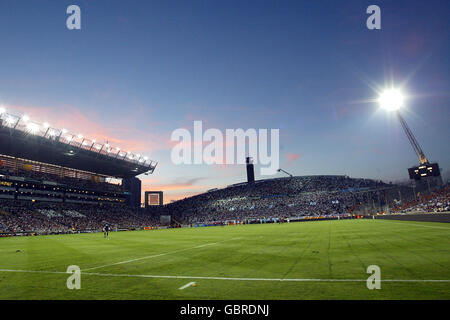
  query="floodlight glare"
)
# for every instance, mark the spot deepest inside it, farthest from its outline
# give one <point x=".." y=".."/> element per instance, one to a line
<point x="33" y="127"/>
<point x="25" y="118"/>
<point x="64" y="131"/>
<point x="391" y="100"/>
<point x="2" y="110"/>
<point x="80" y="136"/>
<point x="10" y="120"/>
<point x="46" y="125"/>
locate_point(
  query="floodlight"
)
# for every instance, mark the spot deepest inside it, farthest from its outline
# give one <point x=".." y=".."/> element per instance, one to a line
<point x="80" y="136"/>
<point x="46" y="125"/>
<point x="391" y="100"/>
<point x="64" y="131"/>
<point x="10" y="120"/>
<point x="2" y="110"/>
<point x="33" y="127"/>
<point x="25" y="118"/>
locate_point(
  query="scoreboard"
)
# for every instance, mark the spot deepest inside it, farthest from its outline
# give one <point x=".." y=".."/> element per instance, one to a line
<point x="423" y="171"/>
<point x="153" y="198"/>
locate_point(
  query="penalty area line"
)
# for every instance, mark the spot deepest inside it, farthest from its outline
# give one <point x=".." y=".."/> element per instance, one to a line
<point x="222" y="278"/>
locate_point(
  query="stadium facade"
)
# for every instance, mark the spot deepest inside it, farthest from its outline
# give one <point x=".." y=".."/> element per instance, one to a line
<point x="41" y="163"/>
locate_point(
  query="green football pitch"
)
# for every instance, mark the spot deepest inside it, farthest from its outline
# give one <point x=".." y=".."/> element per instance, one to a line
<point x="304" y="260"/>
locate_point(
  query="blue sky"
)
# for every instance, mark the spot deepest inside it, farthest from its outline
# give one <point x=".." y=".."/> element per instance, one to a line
<point x="137" y="70"/>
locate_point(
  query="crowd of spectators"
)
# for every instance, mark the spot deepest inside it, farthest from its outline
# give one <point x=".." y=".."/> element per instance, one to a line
<point x="44" y="218"/>
<point x="264" y="200"/>
<point x="285" y="198"/>
<point x="64" y="179"/>
<point x="438" y="201"/>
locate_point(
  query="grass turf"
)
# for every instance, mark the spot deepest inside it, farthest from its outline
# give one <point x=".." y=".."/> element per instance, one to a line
<point x="312" y="250"/>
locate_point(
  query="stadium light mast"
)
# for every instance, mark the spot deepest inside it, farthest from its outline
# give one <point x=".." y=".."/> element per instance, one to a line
<point x="392" y="100"/>
<point x="417" y="149"/>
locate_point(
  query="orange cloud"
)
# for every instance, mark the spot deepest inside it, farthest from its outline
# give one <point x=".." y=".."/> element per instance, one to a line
<point x="68" y="117"/>
<point x="293" y="156"/>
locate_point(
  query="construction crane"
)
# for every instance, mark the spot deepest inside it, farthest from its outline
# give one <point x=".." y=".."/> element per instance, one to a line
<point x="417" y="149"/>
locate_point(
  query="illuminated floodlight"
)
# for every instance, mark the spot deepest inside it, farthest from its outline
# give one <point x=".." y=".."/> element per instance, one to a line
<point x="97" y="147"/>
<point x="117" y="149"/>
<point x="94" y="141"/>
<point x="25" y="118"/>
<point x="107" y="145"/>
<point x="46" y="125"/>
<point x="80" y="136"/>
<point x="33" y="127"/>
<point x="64" y="131"/>
<point x="146" y="158"/>
<point x="391" y="100"/>
<point x="2" y="110"/>
<point x="10" y="120"/>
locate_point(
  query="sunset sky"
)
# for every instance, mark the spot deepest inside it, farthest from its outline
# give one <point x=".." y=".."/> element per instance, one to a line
<point x="138" y="70"/>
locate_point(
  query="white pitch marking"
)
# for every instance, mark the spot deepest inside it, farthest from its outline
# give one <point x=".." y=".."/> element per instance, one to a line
<point x="186" y="285"/>
<point x="222" y="278"/>
<point x="159" y="255"/>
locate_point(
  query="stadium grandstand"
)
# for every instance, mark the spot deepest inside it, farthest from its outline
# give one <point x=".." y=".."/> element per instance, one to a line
<point x="49" y="175"/>
<point x="53" y="181"/>
<point x="293" y="198"/>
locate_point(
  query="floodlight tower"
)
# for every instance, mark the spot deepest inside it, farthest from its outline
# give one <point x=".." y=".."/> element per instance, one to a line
<point x="392" y="100"/>
<point x="412" y="140"/>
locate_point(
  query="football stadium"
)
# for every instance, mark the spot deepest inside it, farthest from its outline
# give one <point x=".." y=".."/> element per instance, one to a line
<point x="232" y="155"/>
<point x="294" y="237"/>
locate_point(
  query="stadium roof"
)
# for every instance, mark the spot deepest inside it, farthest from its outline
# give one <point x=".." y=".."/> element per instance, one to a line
<point x="22" y="138"/>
